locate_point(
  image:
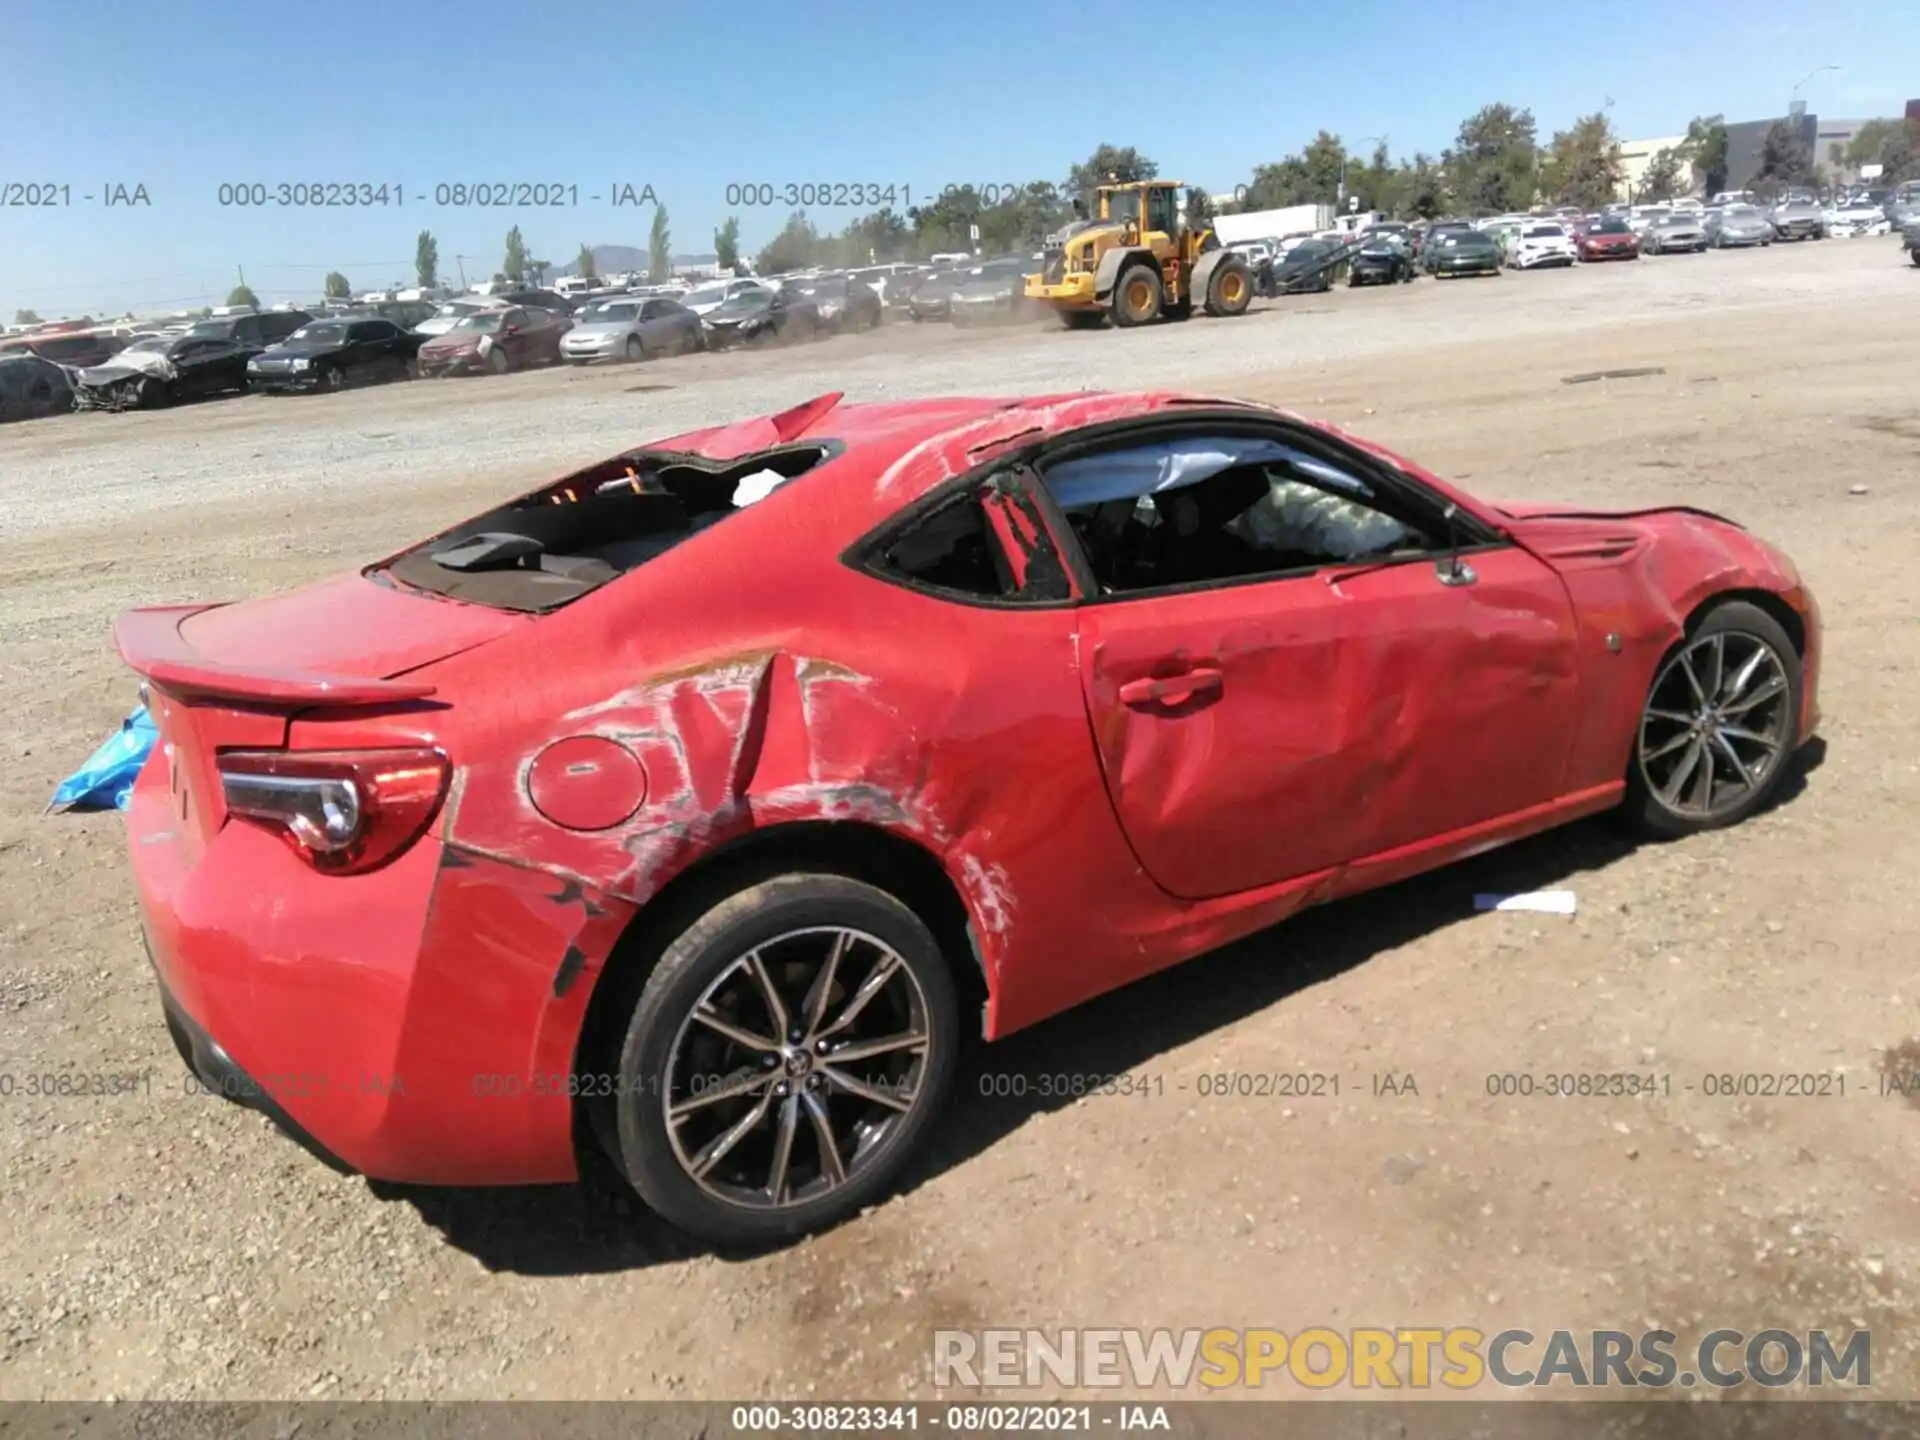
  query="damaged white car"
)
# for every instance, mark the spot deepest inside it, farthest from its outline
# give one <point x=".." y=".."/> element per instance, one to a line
<point x="1541" y="246"/>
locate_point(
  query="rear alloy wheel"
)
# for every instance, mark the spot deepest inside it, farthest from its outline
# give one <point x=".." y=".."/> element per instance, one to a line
<point x="785" y="1060"/>
<point x="1137" y="296"/>
<point x="1718" y="725"/>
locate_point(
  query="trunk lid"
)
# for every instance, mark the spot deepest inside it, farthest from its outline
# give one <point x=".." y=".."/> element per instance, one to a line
<point x="225" y="676"/>
<point x="339" y="642"/>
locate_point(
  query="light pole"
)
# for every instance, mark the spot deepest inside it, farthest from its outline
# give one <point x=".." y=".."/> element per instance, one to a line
<point x="1808" y="76"/>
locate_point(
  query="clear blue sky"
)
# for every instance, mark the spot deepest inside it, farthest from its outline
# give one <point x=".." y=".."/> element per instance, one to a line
<point x="183" y="95"/>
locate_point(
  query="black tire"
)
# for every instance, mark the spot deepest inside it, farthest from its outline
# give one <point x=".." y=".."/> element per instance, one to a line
<point x="1229" y="289"/>
<point x="333" y="378"/>
<point x="692" y="970"/>
<point x="1138" y="296"/>
<point x="1743" y="627"/>
<point x="635" y="349"/>
<point x="498" y="362"/>
<point x="1094" y="319"/>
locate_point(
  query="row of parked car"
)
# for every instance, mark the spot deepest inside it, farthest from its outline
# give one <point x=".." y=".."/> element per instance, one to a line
<point x="495" y="329"/>
<point x="1394" y="251"/>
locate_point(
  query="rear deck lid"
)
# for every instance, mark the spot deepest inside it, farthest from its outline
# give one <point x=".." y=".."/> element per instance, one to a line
<point x="339" y="642"/>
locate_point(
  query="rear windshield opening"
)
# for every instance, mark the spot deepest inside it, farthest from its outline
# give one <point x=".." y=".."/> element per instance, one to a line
<point x="566" y="539"/>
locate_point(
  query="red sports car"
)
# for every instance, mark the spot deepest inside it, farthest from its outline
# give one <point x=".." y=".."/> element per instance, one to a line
<point x="673" y="821"/>
<point x="1608" y="239"/>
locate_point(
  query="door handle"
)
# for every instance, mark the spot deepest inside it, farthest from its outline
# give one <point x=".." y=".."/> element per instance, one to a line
<point x="1173" y="689"/>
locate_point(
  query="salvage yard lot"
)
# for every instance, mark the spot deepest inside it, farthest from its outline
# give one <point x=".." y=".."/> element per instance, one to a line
<point x="163" y="1244"/>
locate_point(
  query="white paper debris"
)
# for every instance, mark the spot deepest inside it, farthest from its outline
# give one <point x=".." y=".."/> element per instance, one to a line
<point x="1539" y="902"/>
<point x="756" y="486"/>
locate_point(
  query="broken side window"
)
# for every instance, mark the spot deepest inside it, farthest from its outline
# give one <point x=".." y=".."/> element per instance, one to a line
<point x="986" y="542"/>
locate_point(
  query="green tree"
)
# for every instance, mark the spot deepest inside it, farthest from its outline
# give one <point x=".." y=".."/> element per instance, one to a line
<point x="242" y="295"/>
<point x="426" y="260"/>
<point x="1107" y="165"/>
<point x="659" y="247"/>
<point x="1705" y="149"/>
<point x="883" y="235"/>
<point x="793" y="248"/>
<point x="726" y="244"/>
<point x="584" y="262"/>
<point x="1890" y="144"/>
<point x="1378" y="184"/>
<point x="1200" y="209"/>
<point x="514" y="266"/>
<point x="1424" y="189"/>
<point x="1493" y="166"/>
<point x="26" y="317"/>
<point x="1582" y="165"/>
<point x="1662" y="178"/>
<point x="335" y="286"/>
<point x="1784" y="157"/>
<point x="944" y="225"/>
<point x="1023" y="219"/>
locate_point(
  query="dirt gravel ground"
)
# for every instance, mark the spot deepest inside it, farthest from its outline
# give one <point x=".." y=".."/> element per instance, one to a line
<point x="166" y="1246"/>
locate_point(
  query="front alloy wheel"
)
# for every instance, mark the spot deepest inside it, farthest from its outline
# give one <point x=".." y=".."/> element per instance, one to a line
<point x="1718" y="725"/>
<point x="785" y="1059"/>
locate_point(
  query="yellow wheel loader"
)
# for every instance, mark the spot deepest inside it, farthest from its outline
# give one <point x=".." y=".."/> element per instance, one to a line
<point x="1138" y="261"/>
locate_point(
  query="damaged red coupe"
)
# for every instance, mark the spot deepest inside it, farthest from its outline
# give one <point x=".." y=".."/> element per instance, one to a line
<point x="671" y="822"/>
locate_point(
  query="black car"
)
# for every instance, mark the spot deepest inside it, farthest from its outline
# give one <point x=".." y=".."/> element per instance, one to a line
<point x="257" y="329"/>
<point x="161" y="369"/>
<point x="932" y="298"/>
<point x="333" y="354"/>
<point x="1432" y="243"/>
<point x="845" y="304"/>
<point x="755" y="317"/>
<point x="1462" y="252"/>
<point x="994" y="293"/>
<point x="1384" y="258"/>
<point x="1303" y="270"/>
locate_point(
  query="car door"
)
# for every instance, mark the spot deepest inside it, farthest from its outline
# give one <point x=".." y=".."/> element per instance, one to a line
<point x="1257" y="725"/>
<point x="660" y="333"/>
<point x="516" y="335"/>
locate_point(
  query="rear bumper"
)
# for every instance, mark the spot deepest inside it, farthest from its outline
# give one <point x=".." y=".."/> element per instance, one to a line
<point x="417" y="1023"/>
<point x="221" y="1075"/>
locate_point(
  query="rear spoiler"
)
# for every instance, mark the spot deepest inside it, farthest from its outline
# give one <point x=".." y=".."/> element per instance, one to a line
<point x="149" y="640"/>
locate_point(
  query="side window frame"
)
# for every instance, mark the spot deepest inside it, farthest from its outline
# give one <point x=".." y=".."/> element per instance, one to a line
<point x="1417" y="505"/>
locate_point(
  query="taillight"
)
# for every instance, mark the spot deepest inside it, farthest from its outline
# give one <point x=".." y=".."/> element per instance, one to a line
<point x="343" y="811"/>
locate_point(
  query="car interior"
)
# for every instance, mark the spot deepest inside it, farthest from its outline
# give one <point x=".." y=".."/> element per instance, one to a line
<point x="565" y="540"/>
<point x="1197" y="511"/>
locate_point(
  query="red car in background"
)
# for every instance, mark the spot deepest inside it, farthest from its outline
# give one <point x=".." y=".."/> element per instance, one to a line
<point x="75" y="349"/>
<point x="496" y="341"/>
<point x="1607" y="238"/>
<point x="673" y="822"/>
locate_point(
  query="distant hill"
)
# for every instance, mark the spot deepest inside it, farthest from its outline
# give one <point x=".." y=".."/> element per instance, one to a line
<point x="613" y="259"/>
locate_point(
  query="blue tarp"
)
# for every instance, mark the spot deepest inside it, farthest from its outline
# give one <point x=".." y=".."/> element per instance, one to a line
<point x="106" y="781"/>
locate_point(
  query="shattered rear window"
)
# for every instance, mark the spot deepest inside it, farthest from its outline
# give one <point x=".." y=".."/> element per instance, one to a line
<point x="567" y="539"/>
